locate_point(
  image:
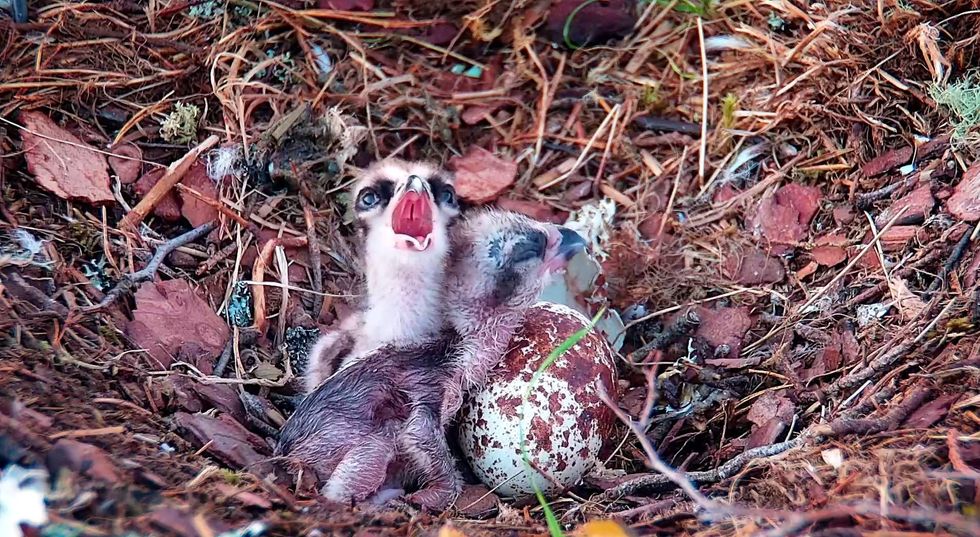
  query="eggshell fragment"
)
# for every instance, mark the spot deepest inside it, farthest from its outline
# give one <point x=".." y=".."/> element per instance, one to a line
<point x="567" y="422"/>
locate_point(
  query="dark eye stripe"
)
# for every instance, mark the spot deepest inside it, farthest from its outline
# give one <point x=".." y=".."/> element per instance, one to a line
<point x="439" y="186"/>
<point x="384" y="189"/>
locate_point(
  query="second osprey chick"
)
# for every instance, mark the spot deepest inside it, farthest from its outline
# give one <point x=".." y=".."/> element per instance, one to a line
<point x="403" y="212"/>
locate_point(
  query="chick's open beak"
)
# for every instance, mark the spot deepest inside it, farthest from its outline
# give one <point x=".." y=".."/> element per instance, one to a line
<point x="412" y="218"/>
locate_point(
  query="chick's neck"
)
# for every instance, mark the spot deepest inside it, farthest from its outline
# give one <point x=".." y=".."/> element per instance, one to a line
<point x="404" y="301"/>
<point x="485" y="333"/>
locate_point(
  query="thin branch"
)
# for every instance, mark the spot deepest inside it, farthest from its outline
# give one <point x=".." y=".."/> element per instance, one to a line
<point x="130" y="281"/>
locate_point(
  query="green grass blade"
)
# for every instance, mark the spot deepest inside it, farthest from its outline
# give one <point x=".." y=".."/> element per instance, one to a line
<point x="554" y="528"/>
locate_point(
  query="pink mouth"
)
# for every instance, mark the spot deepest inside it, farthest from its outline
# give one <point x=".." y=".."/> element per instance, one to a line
<point x="412" y="221"/>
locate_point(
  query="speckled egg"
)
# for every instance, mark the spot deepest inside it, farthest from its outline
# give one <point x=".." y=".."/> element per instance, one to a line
<point x="566" y="422"/>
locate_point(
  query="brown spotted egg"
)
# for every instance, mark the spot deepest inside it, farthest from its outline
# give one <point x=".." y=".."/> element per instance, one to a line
<point x="566" y="423"/>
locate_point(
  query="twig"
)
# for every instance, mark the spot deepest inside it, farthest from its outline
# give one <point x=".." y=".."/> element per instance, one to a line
<point x="726" y="470"/>
<point x="676" y="477"/>
<point x="315" y="261"/>
<point x="864" y="201"/>
<point x="886" y="360"/>
<point x="888" y="422"/>
<point x="175" y="172"/>
<point x="954" y="259"/>
<point x="245" y="337"/>
<point x="258" y="278"/>
<point x="130" y="281"/>
<point x="703" y="148"/>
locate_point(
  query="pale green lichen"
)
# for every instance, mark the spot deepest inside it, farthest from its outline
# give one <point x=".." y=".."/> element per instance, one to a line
<point x="180" y="127"/>
<point x="962" y="100"/>
<point x="206" y="10"/>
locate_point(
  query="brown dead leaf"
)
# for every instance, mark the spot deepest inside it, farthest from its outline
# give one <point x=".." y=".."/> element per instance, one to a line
<point x="190" y="394"/>
<point x="724" y="326"/>
<point x="887" y="161"/>
<point x="931" y="412"/>
<point x="476" y="113"/>
<point x="170" y="316"/>
<point x="62" y="163"/>
<point x="481" y="176"/>
<point x="829" y="250"/>
<point x="247" y="498"/>
<point x="843" y="215"/>
<point x="725" y="193"/>
<point x="807" y="270"/>
<point x="225" y="438"/>
<point x="770" y="414"/>
<point x="129" y="164"/>
<point x="184" y="524"/>
<point x="784" y="217"/>
<point x="476" y="501"/>
<point x="965" y="201"/>
<point x="828" y="256"/>
<point x="842" y="349"/>
<point x="194" y="210"/>
<point x="754" y="267"/>
<point x="869" y="260"/>
<point x="917" y="205"/>
<point x="83" y="458"/>
<point x="536" y="210"/>
<point x="908" y="303"/>
<point x="650" y="230"/>
<point x="588" y="23"/>
<point x="439" y="34"/>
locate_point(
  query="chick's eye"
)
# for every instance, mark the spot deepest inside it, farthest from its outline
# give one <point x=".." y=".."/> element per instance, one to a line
<point x="530" y="247"/>
<point x="367" y="199"/>
<point x="447" y="196"/>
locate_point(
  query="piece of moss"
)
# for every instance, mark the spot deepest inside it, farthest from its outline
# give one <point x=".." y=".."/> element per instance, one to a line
<point x="962" y="100"/>
<point x="180" y="127"/>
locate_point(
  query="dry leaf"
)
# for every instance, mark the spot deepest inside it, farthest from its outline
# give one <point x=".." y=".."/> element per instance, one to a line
<point x="194" y="210"/>
<point x="834" y="457"/>
<point x="170" y="318"/>
<point x="754" y="267"/>
<point x="916" y="204"/>
<point x="589" y="22"/>
<point x="965" y="201"/>
<point x="62" y="163"/>
<point x="908" y="303"/>
<point x="128" y="164"/>
<point x="770" y="414"/>
<point x="169" y="207"/>
<point x="724" y="326"/>
<point x="481" y="176"/>
<point x="784" y="217"/>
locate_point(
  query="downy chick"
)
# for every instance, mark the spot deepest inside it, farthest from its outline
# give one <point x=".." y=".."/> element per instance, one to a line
<point x="381" y="419"/>
<point x="403" y="212"/>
